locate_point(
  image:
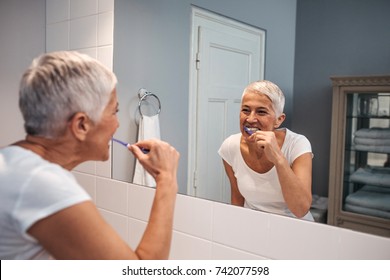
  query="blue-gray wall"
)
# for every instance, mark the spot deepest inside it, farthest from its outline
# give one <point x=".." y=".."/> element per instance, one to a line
<point x="334" y="37"/>
<point x="152" y="50"/>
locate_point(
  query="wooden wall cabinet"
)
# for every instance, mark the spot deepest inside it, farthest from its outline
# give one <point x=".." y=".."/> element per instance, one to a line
<point x="359" y="173"/>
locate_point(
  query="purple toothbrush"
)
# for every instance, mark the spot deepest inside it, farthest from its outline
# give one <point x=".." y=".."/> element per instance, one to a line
<point x="250" y="132"/>
<point x="145" y="151"/>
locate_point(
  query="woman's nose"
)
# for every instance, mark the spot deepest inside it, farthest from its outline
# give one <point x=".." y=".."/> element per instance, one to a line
<point x="251" y="117"/>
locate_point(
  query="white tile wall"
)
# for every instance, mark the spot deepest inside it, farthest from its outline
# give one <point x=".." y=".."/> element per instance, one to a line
<point x="88" y="27"/>
<point x="82" y="8"/>
<point x="211" y="230"/>
<point x="105" y="5"/>
<point x="88" y="182"/>
<point x="222" y="252"/>
<point x="140" y="202"/>
<point x="111" y="195"/>
<point x="241" y="228"/>
<point x="356" y="245"/>
<point x="304" y="240"/>
<point x="57" y="36"/>
<point x="105" y="55"/>
<point x="202" y="229"/>
<point x="193" y="216"/>
<point x="185" y="247"/>
<point x="118" y="222"/>
<point x="83" y="32"/>
<point x="57" y="10"/>
<point x="136" y="230"/>
<point x="105" y="29"/>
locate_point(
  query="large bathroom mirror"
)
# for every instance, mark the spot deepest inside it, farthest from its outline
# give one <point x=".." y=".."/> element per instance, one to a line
<point x="153" y="49"/>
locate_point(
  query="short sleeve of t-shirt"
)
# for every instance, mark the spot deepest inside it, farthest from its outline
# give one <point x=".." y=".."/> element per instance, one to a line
<point x="49" y="190"/>
<point x="295" y="145"/>
<point x="229" y="147"/>
<point x="31" y="189"/>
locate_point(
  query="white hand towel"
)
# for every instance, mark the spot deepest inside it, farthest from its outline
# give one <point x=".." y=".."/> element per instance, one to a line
<point x="149" y="127"/>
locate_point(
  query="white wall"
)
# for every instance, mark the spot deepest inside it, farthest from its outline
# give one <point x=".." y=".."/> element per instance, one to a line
<point x="202" y="229"/>
<point x="22" y="37"/>
<point x="86" y="26"/>
<point x="210" y="230"/>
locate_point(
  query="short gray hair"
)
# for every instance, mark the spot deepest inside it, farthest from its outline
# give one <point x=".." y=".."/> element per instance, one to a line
<point x="271" y="90"/>
<point x="58" y="85"/>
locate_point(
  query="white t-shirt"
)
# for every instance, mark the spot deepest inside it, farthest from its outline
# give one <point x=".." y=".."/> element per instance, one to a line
<point x="262" y="191"/>
<point x="31" y="189"/>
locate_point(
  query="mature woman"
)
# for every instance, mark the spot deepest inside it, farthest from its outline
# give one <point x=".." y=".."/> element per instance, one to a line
<point x="269" y="168"/>
<point x="69" y="105"/>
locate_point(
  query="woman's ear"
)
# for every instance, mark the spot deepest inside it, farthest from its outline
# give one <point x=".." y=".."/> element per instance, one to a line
<point x="280" y="120"/>
<point x="80" y="125"/>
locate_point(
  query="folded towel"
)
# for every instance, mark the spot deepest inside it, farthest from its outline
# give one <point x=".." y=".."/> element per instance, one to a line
<point x="367" y="211"/>
<point x="376" y="189"/>
<point x="149" y="128"/>
<point x="319" y="202"/>
<point x="372" y="176"/>
<point x="370" y="197"/>
<point x="373" y="149"/>
<point x="374" y="132"/>
<point x="372" y="141"/>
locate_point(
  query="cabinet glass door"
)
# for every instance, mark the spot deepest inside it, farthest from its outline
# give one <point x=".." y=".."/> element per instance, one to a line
<point x="366" y="186"/>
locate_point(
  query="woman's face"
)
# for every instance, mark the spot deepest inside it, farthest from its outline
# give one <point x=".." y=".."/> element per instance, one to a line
<point x="257" y="113"/>
<point x="104" y="130"/>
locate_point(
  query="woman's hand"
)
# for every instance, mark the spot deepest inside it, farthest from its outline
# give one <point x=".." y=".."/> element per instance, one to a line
<point x="162" y="158"/>
<point x="265" y="142"/>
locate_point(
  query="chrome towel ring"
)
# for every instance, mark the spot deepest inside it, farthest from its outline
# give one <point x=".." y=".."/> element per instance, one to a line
<point x="143" y="98"/>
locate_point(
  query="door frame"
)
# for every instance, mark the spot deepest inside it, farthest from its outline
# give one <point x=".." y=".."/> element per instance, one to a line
<point x="211" y="18"/>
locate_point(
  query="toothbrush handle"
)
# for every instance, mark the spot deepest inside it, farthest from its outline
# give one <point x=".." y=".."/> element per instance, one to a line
<point x="120" y="142"/>
<point x="145" y="151"/>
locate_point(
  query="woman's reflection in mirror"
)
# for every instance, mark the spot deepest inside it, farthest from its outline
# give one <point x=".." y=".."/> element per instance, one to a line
<point x="269" y="167"/>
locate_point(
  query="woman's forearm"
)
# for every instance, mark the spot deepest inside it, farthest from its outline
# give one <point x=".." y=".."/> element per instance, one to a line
<point x="296" y="188"/>
<point x="156" y="241"/>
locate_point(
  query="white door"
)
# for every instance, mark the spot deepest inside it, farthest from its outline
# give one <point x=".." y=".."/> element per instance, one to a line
<point x="227" y="56"/>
